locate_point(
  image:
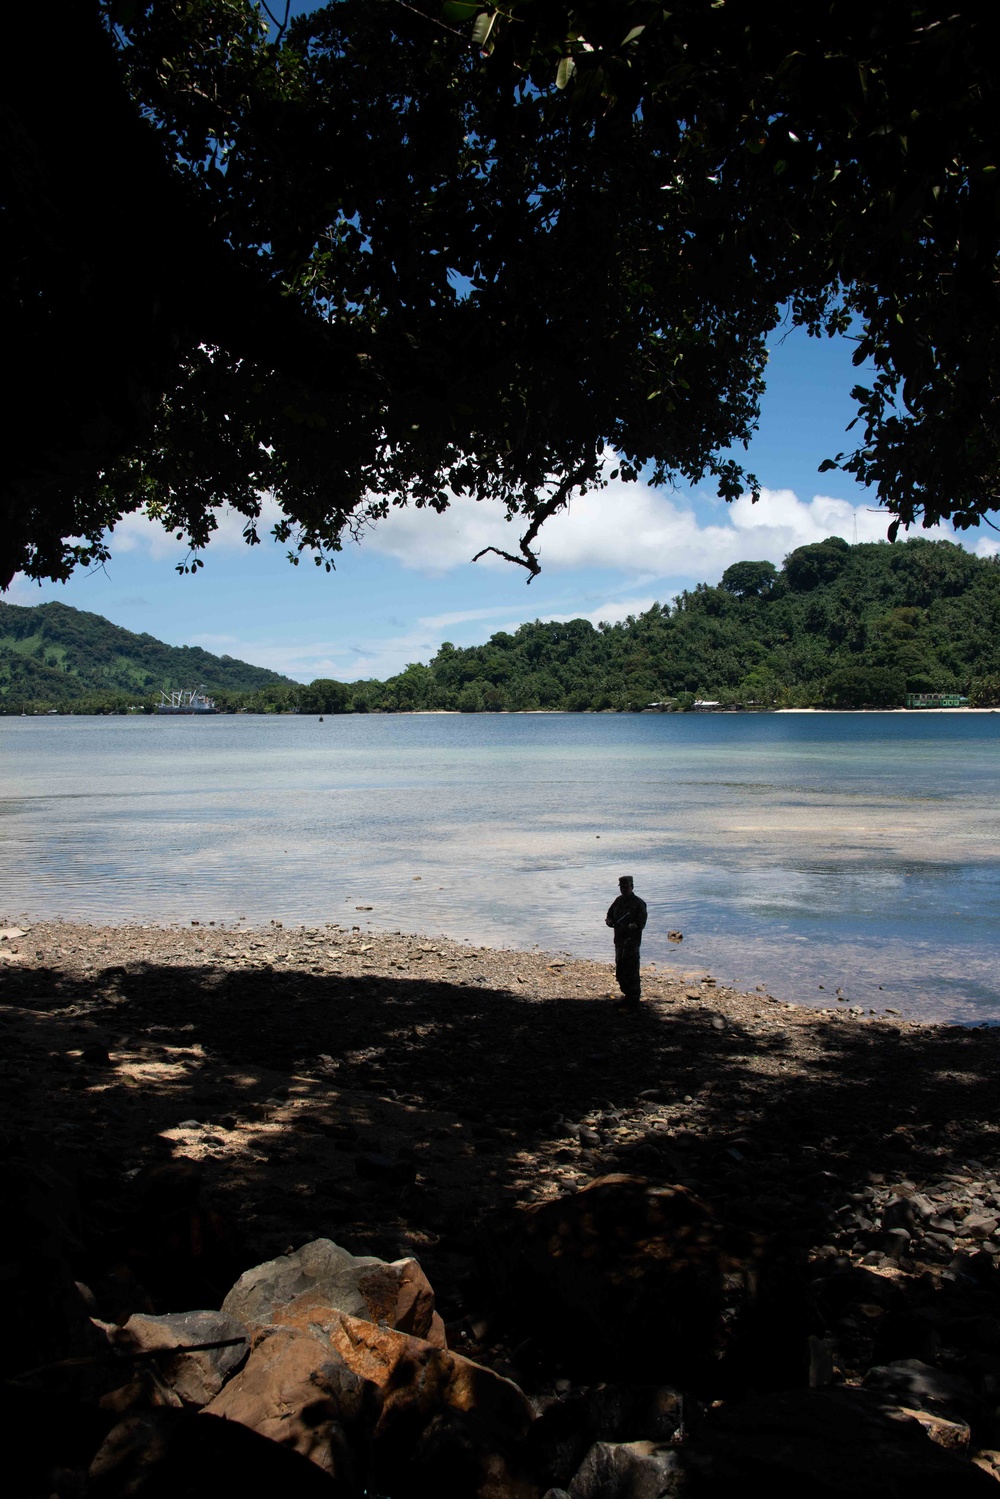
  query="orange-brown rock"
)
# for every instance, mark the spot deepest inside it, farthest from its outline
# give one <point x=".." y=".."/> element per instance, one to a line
<point x="412" y="1302"/>
<point x="445" y="1421"/>
<point x="297" y="1390"/>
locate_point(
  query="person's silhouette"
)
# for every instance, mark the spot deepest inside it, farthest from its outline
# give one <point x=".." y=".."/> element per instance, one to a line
<point x="627" y="915"/>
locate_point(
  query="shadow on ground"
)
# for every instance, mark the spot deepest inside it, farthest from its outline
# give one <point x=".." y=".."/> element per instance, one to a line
<point x="398" y="1116"/>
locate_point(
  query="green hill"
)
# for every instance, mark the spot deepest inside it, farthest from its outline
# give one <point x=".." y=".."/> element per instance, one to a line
<point x="57" y="655"/>
<point x="836" y="626"/>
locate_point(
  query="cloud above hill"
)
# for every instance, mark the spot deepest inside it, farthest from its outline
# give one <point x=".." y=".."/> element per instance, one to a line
<point x="634" y="529"/>
<point x="629" y="528"/>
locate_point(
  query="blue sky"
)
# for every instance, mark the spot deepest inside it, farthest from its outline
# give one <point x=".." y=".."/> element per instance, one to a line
<point x="410" y="584"/>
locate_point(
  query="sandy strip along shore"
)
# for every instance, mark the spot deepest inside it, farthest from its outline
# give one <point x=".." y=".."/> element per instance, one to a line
<point x="399" y="1093"/>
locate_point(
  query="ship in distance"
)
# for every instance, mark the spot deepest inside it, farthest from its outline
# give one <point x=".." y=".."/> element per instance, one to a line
<point x="186" y="701"/>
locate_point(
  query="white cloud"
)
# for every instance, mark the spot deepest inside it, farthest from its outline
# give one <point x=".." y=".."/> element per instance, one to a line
<point x="24" y="593"/>
<point x="344" y="660"/>
<point x="137" y="533"/>
<point x="611" y="613"/>
<point x="434" y="544"/>
<point x="464" y="616"/>
<point x="632" y="528"/>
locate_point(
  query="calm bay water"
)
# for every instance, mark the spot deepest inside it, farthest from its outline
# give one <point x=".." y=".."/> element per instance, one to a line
<point x="850" y="850"/>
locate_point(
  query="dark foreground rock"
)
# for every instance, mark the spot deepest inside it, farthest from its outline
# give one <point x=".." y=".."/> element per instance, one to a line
<point x="369" y="1403"/>
<point x="166" y="1454"/>
<point x="627" y="1279"/>
<point x="629" y="1470"/>
<point x="191" y="1377"/>
<point x="568" y="1427"/>
<point x="829" y="1444"/>
<point x="302" y="1397"/>
<point x="911" y="1382"/>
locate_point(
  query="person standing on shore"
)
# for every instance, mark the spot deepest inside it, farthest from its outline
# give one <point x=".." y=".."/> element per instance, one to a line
<point x="627" y="915"/>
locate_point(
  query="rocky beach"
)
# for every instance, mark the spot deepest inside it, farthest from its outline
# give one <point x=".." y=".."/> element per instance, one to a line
<point x="501" y="1238"/>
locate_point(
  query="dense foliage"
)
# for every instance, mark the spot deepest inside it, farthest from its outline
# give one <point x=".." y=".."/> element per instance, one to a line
<point x="837" y="626"/>
<point x="53" y="656"/>
<point x="403" y="250"/>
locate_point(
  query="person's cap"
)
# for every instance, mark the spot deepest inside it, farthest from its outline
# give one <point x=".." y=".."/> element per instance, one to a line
<point x="625" y="879"/>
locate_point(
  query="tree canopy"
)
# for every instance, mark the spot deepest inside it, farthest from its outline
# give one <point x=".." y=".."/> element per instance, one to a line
<point x="749" y="579"/>
<point x="391" y="253"/>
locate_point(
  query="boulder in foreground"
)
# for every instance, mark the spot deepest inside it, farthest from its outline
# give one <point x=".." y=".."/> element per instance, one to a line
<point x="191" y="1379"/>
<point x="446" y="1425"/>
<point x="397" y="1293"/>
<point x="297" y="1391"/>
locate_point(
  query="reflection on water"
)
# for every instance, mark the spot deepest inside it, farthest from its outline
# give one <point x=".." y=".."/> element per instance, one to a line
<point x="850" y="850"/>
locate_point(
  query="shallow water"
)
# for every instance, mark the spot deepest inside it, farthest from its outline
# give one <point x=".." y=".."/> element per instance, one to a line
<point x="847" y="850"/>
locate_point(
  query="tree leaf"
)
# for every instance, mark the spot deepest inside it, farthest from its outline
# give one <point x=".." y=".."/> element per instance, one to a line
<point x="484" y="25"/>
<point x="565" y="71"/>
<point x="633" y="35"/>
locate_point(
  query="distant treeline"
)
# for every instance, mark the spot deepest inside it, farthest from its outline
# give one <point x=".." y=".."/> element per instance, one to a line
<point x="837" y="626"/>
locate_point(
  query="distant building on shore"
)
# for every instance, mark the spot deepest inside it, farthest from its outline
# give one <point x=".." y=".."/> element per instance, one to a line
<point x="936" y="700"/>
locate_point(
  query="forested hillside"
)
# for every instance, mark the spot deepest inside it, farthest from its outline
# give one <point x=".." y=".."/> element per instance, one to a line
<point x="58" y="656"/>
<point x="837" y="626"/>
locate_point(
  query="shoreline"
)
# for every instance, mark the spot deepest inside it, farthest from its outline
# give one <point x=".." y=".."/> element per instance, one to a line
<point x="501" y="713"/>
<point x="269" y="948"/>
<point x="659" y="974"/>
<point x="916" y="711"/>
